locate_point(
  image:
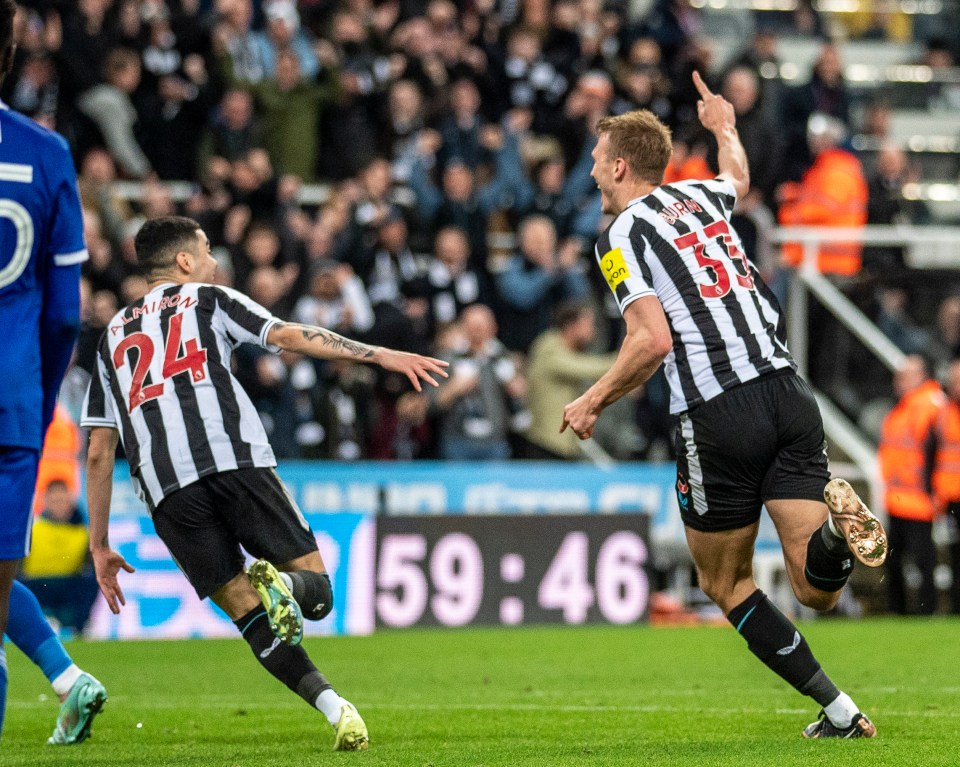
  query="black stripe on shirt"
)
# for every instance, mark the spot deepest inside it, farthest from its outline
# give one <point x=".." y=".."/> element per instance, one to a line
<point x="722" y="202"/>
<point x="778" y="334"/>
<point x="197" y="439"/>
<point x="240" y="314"/>
<point x="730" y="301"/>
<point x="152" y="413"/>
<point x="130" y="446"/>
<point x="687" y="384"/>
<point x="220" y="375"/>
<point x="676" y="269"/>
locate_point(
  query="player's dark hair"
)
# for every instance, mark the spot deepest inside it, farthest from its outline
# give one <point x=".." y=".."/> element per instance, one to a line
<point x="160" y="239"/>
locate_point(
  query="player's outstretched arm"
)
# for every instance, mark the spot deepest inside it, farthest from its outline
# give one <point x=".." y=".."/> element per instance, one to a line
<point x="644" y="347"/>
<point x="717" y="116"/>
<point x="326" y="345"/>
<point x="106" y="562"/>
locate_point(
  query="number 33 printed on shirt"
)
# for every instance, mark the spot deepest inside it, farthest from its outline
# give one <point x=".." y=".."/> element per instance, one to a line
<point x="193" y="360"/>
<point x="720" y="232"/>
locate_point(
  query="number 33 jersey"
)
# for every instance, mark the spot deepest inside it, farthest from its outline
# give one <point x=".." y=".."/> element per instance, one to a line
<point x="163" y="379"/>
<point x="676" y="243"/>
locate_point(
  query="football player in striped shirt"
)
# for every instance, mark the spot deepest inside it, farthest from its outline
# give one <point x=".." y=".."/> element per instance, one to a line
<point x="200" y="459"/>
<point x="750" y="430"/>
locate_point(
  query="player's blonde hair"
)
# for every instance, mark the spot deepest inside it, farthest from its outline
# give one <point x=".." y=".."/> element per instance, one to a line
<point x="641" y="140"/>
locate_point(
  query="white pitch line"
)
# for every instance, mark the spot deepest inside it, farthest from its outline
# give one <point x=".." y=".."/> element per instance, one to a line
<point x="225" y="702"/>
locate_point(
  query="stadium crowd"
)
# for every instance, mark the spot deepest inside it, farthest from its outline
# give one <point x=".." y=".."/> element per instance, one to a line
<point x="452" y="142"/>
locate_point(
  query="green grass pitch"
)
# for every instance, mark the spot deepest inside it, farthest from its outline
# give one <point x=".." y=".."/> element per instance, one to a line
<point x="536" y="696"/>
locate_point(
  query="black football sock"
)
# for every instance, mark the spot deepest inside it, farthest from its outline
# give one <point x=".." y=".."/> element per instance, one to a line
<point x="290" y="665"/>
<point x="312" y="592"/>
<point x="776" y="642"/>
<point x="829" y="561"/>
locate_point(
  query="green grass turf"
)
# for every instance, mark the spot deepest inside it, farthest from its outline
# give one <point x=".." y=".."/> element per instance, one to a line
<point x="536" y="696"/>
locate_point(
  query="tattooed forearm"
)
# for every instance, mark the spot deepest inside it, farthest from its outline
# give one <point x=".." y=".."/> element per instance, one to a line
<point x="338" y="342"/>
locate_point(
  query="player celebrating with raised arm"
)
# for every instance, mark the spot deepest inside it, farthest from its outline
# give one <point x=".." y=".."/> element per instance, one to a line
<point x="200" y="459"/>
<point x="750" y="432"/>
<point x="41" y="249"/>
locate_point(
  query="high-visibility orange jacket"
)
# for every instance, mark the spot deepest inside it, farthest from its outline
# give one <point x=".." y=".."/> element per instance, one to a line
<point x="694" y="167"/>
<point x="60" y="458"/>
<point x="946" y="466"/>
<point x="833" y="192"/>
<point x="903" y="454"/>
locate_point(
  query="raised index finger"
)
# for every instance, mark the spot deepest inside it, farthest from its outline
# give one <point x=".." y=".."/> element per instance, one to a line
<point x="701" y="85"/>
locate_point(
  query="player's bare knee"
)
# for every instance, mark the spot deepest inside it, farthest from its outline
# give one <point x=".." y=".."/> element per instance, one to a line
<point x="816" y="599"/>
<point x="720" y="590"/>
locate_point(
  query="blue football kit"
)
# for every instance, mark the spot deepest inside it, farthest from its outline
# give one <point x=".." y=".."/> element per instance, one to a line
<point x="41" y="249"/>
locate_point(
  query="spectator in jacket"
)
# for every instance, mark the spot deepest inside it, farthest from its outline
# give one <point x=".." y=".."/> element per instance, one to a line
<point x="946" y="473"/>
<point x="58" y="570"/>
<point x="825" y="93"/>
<point x="109" y="106"/>
<point x="538" y="277"/>
<point x="906" y="462"/>
<point x="559" y="368"/>
<point x="886" y="205"/>
<point x="475" y="407"/>
<point x="833" y="192"/>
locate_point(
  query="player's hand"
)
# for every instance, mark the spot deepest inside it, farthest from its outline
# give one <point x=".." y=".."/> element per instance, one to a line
<point x="715" y="112"/>
<point x="107" y="564"/>
<point x="581" y="416"/>
<point x="414" y="366"/>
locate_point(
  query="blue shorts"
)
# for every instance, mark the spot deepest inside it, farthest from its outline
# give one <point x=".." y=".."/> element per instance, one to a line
<point x="18" y="480"/>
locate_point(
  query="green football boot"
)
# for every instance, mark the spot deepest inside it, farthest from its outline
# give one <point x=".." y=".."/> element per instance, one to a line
<point x="283" y="612"/>
<point x="351" y="731"/>
<point x="84" y="702"/>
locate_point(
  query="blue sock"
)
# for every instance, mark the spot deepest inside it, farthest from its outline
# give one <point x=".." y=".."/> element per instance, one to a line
<point x="3" y="684"/>
<point x="28" y="629"/>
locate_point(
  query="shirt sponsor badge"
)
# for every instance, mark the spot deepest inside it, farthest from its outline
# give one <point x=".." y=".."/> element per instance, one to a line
<point x="614" y="268"/>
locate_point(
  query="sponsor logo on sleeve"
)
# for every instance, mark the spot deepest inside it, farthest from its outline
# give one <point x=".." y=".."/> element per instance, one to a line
<point x="614" y="268"/>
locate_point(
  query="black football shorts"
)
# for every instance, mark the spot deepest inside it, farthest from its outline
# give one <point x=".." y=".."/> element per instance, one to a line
<point x="762" y="440"/>
<point x="205" y="523"/>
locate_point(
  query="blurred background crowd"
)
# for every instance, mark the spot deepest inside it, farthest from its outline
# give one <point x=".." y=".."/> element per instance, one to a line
<point x="415" y="173"/>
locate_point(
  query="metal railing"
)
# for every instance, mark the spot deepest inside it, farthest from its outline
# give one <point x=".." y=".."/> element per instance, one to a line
<point x="807" y="282"/>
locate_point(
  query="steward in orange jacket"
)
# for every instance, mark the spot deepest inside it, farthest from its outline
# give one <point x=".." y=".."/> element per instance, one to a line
<point x="691" y="166"/>
<point x="906" y="459"/>
<point x="833" y="192"/>
<point x="907" y="469"/>
<point x="946" y="473"/>
<point x="946" y="464"/>
<point x="60" y="459"/>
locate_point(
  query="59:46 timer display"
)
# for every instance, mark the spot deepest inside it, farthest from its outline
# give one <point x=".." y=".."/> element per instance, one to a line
<point x="458" y="571"/>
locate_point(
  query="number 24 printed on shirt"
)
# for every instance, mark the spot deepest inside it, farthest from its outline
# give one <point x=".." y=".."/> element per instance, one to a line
<point x="193" y="360"/>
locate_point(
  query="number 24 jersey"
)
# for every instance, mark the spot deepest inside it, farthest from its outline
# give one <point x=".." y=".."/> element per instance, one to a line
<point x="163" y="379"/>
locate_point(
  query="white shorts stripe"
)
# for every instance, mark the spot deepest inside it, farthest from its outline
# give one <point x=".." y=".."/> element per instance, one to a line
<point x="695" y="479"/>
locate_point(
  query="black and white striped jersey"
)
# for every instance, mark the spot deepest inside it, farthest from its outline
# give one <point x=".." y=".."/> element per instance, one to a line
<point x="676" y="243"/>
<point x="163" y="380"/>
